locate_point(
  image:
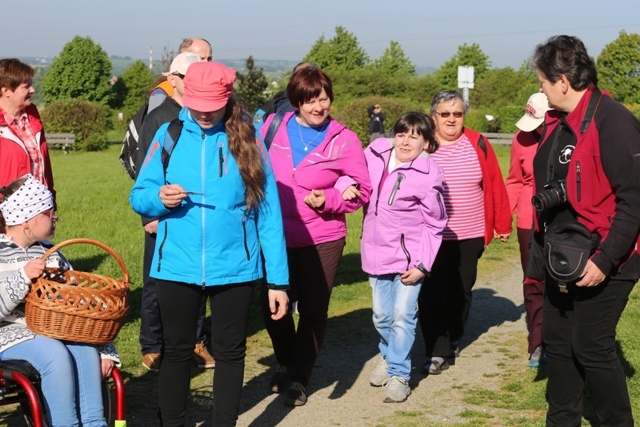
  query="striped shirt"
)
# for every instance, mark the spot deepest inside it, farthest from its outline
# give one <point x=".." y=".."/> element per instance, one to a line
<point x="463" y="195"/>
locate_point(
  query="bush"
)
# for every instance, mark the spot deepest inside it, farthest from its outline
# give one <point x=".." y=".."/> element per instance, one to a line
<point x="88" y="120"/>
<point x="95" y="142"/>
<point x="354" y="114"/>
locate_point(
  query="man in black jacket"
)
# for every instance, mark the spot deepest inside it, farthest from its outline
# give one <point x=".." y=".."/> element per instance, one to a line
<point x="376" y="122"/>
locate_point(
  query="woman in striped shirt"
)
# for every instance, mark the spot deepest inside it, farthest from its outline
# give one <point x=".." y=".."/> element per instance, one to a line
<point x="478" y="209"/>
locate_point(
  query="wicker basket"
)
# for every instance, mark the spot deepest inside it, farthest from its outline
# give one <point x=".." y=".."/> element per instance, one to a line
<point x="77" y="306"/>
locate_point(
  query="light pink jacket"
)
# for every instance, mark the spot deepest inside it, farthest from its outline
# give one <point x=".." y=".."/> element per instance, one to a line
<point x="340" y="154"/>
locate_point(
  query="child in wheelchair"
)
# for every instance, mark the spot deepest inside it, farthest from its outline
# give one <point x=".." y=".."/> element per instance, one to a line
<point x="71" y="373"/>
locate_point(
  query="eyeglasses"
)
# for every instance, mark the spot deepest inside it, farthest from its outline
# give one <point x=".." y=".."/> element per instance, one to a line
<point x="177" y="74"/>
<point x="447" y="114"/>
<point x="51" y="214"/>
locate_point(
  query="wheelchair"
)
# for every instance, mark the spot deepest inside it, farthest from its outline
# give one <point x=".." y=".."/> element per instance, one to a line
<point x="19" y="383"/>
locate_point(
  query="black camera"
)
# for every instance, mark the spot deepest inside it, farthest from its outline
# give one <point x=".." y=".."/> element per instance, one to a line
<point x="554" y="194"/>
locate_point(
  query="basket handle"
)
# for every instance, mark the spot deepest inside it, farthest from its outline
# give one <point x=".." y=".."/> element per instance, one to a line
<point x="125" y="272"/>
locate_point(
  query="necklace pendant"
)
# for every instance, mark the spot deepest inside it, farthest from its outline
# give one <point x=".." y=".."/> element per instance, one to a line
<point x="306" y="148"/>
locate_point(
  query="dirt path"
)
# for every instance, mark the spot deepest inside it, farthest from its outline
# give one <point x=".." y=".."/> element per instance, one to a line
<point x="340" y="394"/>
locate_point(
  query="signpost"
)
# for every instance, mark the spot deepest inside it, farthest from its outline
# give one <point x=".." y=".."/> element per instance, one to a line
<point x="465" y="81"/>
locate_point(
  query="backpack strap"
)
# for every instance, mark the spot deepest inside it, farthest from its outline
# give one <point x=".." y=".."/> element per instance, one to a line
<point x="482" y="142"/>
<point x="273" y="127"/>
<point x="170" y="141"/>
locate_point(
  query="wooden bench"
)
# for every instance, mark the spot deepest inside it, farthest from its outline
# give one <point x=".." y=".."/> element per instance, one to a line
<point x="62" y="140"/>
<point x="500" y="138"/>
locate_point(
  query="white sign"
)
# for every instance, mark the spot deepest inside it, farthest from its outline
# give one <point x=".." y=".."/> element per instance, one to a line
<point x="465" y="76"/>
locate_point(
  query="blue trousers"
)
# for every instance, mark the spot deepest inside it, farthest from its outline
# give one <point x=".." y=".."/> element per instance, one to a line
<point x="395" y="316"/>
<point x="71" y="380"/>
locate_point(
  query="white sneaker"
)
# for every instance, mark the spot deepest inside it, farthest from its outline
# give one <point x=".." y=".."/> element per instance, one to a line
<point x="379" y="375"/>
<point x="397" y="390"/>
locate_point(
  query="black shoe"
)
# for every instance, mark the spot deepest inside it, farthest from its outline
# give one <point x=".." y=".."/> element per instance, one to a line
<point x="280" y="380"/>
<point x="296" y="395"/>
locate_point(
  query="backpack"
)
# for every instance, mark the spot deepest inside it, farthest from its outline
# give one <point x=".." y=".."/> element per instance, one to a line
<point x="130" y="141"/>
<point x="170" y="141"/>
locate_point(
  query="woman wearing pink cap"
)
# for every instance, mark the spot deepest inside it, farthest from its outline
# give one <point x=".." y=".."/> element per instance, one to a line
<point x="519" y="185"/>
<point x="219" y="213"/>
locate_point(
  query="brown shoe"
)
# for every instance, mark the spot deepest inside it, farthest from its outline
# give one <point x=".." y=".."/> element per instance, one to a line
<point x="202" y="357"/>
<point x="151" y="361"/>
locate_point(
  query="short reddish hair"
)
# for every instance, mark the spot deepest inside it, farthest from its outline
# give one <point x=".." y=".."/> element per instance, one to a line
<point x="307" y="83"/>
<point x="13" y="73"/>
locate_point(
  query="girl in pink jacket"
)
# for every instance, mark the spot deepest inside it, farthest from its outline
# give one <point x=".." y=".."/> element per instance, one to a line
<point x="401" y="235"/>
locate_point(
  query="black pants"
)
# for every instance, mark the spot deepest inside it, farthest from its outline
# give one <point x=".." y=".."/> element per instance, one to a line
<point x="179" y="304"/>
<point x="445" y="297"/>
<point x="533" y="294"/>
<point x="150" y="325"/>
<point x="312" y="270"/>
<point x="580" y="338"/>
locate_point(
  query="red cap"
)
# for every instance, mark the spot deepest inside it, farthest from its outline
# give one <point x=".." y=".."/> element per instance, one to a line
<point x="208" y="86"/>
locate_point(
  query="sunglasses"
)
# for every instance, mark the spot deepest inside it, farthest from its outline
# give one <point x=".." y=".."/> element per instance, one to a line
<point x="51" y="214"/>
<point x="447" y="114"/>
<point x="181" y="76"/>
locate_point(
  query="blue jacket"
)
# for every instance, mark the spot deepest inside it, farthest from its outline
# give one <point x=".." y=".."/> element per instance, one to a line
<point x="209" y="239"/>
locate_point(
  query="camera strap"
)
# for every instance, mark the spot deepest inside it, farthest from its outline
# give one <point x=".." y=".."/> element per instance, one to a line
<point x="591" y="109"/>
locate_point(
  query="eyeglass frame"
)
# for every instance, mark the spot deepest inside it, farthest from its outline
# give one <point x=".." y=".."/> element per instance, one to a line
<point x="51" y="214"/>
<point x="179" y="75"/>
<point x="447" y="114"/>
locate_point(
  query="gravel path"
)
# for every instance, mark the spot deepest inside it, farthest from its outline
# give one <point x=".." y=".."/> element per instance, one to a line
<point x="340" y="394"/>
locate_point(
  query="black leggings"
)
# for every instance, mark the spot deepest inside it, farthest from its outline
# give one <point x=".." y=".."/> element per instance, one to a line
<point x="179" y="304"/>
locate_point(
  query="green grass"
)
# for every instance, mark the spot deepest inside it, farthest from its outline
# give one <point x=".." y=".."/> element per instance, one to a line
<point x="93" y="202"/>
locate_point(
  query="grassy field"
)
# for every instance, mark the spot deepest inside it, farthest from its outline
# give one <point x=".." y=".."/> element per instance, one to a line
<point x="92" y="198"/>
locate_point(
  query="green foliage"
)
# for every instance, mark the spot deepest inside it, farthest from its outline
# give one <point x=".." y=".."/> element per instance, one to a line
<point x="342" y="52"/>
<point x="476" y="119"/>
<point x="509" y="115"/>
<point x="88" y="120"/>
<point x="467" y="55"/>
<point x="619" y="68"/>
<point x="503" y="86"/>
<point x="635" y="110"/>
<point x="81" y="71"/>
<point x="131" y="91"/>
<point x="251" y="86"/>
<point x="394" y="62"/>
<point x="354" y="113"/>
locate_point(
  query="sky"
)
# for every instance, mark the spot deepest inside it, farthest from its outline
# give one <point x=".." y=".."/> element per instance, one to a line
<point x="428" y="31"/>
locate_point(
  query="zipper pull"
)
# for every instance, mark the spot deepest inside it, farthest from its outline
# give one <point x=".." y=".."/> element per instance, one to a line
<point x="220" y="159"/>
<point x="396" y="187"/>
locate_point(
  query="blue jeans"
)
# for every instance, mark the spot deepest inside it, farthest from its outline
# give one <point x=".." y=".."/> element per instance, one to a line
<point x="395" y="316"/>
<point x="71" y="379"/>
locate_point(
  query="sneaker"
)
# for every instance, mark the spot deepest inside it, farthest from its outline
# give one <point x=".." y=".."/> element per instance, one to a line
<point x="202" y="357"/>
<point x="397" y="390"/>
<point x="379" y="374"/>
<point x="151" y="361"/>
<point x="537" y="358"/>
<point x="279" y="380"/>
<point x="435" y="366"/>
<point x="296" y="395"/>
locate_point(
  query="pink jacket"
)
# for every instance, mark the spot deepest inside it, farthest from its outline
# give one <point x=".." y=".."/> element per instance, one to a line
<point x="404" y="219"/>
<point x="519" y="183"/>
<point x="340" y="154"/>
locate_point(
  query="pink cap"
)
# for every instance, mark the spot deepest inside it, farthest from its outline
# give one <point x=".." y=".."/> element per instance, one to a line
<point x="208" y="86"/>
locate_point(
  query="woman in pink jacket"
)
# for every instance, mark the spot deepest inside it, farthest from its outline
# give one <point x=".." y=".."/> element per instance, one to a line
<point x="309" y="152"/>
<point x="401" y="235"/>
<point x="519" y="185"/>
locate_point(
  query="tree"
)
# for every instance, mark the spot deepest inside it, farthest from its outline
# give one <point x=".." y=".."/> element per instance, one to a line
<point x="342" y="52"/>
<point x="503" y="86"/>
<point x="251" y="86"/>
<point x="394" y="62"/>
<point x="467" y="55"/>
<point x="82" y="71"/>
<point x="133" y="88"/>
<point x="619" y="68"/>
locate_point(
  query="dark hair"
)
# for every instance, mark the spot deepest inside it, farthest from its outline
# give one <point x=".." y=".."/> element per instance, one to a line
<point x="446" y="96"/>
<point x="13" y="73"/>
<point x="419" y="123"/>
<point x="565" y="55"/>
<point x="5" y="192"/>
<point x="307" y="83"/>
<point x="244" y="149"/>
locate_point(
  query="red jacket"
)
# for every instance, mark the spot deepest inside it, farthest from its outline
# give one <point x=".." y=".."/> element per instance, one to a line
<point x="14" y="159"/>
<point x="520" y="181"/>
<point x="603" y="181"/>
<point x="497" y="214"/>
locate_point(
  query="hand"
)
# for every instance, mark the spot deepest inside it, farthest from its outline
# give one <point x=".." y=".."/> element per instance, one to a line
<point x="591" y="276"/>
<point x="351" y="192"/>
<point x="151" y="227"/>
<point x="278" y="303"/>
<point x="504" y="237"/>
<point x="315" y="199"/>
<point x="411" y="276"/>
<point x="172" y="195"/>
<point x="106" y="367"/>
<point x="34" y="268"/>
